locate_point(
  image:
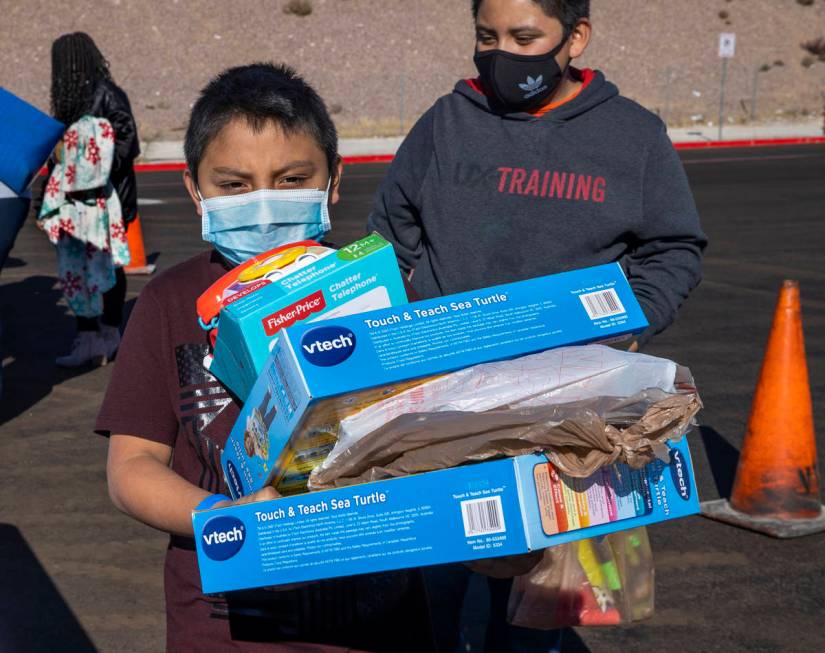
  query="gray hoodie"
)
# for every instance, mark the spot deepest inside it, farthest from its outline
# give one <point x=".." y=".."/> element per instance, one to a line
<point x="475" y="198"/>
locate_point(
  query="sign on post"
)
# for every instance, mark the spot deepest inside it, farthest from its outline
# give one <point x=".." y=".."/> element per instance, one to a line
<point x="727" y="45"/>
<point x="727" y="48"/>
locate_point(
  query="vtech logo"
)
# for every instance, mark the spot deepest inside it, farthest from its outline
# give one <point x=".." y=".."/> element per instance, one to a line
<point x="328" y="345"/>
<point x="679" y="473"/>
<point x="223" y="537"/>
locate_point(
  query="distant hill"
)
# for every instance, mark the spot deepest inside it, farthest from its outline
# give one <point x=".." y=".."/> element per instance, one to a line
<point x="378" y="62"/>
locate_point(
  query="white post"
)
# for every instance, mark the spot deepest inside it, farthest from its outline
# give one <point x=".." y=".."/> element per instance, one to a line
<point x="755" y="92"/>
<point x="401" y="105"/>
<point x="722" y="96"/>
<point x="727" y="48"/>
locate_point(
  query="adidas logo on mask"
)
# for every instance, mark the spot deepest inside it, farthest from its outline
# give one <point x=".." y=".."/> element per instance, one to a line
<point x="532" y="86"/>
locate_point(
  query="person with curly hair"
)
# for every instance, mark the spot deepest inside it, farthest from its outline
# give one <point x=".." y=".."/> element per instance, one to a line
<point x="82" y="86"/>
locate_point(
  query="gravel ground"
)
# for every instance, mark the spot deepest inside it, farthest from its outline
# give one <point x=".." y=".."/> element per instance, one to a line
<point x="378" y="62"/>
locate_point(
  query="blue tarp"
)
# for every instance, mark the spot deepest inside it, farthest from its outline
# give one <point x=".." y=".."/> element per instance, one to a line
<point x="27" y="137"/>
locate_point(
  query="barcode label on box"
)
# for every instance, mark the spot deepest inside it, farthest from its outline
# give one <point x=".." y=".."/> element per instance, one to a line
<point x="482" y="516"/>
<point x="602" y="303"/>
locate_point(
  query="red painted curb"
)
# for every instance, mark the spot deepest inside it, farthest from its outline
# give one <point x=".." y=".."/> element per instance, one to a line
<point x="160" y="167"/>
<point x="368" y="158"/>
<point x="177" y="166"/>
<point x="757" y="142"/>
<point x="180" y="165"/>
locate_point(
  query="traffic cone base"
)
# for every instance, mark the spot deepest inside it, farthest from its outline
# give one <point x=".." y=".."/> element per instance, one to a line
<point x="776" y="487"/>
<point x="141" y="269"/>
<point x="722" y="511"/>
<point x="139" y="264"/>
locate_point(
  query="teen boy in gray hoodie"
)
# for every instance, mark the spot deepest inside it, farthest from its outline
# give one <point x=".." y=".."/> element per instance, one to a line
<point x="536" y="167"/>
<point x="533" y="168"/>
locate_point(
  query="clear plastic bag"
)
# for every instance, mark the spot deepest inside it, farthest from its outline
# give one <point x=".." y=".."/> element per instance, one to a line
<point x="604" y="581"/>
<point x="556" y="376"/>
<point x="584" y="408"/>
<point x="590" y="384"/>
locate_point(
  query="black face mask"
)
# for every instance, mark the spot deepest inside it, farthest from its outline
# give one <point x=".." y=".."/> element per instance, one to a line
<point x="519" y="82"/>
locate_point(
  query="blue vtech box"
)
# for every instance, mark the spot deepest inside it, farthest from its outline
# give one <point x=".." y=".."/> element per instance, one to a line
<point x="318" y="374"/>
<point x="498" y="508"/>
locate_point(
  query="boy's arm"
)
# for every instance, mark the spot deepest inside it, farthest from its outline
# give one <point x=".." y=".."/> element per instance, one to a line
<point x="137" y="403"/>
<point x="396" y="208"/>
<point x="142" y="485"/>
<point x="664" y="266"/>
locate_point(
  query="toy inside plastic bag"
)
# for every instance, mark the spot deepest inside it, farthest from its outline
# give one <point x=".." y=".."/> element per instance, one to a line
<point x="555" y="376"/>
<point x="604" y="581"/>
<point x="586" y="407"/>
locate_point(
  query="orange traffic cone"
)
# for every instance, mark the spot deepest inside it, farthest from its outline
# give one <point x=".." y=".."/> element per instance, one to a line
<point x="776" y="490"/>
<point x="139" y="264"/>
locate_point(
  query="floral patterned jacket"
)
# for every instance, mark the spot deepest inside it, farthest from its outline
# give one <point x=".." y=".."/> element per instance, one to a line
<point x="79" y="199"/>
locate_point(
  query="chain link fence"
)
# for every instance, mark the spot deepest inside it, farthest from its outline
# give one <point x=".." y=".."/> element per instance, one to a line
<point x="755" y="93"/>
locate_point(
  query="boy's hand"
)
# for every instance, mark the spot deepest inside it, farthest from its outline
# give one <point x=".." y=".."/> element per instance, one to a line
<point x="508" y="566"/>
<point x="264" y="494"/>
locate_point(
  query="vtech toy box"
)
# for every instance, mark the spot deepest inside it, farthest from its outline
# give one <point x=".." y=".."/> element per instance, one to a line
<point x="360" y="277"/>
<point x="504" y="507"/>
<point x="319" y="374"/>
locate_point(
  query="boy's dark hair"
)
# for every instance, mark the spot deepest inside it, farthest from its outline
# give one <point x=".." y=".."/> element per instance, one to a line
<point x="569" y="12"/>
<point x="260" y="93"/>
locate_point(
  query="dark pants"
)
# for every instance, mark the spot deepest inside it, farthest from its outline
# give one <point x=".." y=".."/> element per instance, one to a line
<point x="447" y="590"/>
<point x="13" y="212"/>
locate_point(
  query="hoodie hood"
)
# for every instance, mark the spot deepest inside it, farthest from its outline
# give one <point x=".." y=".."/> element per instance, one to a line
<point x="475" y="199"/>
<point x="596" y="91"/>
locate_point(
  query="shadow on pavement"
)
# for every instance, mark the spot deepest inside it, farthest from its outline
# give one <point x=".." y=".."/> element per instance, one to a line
<point x="12" y="262"/>
<point x="572" y="643"/>
<point x="33" y="615"/>
<point x="128" y="307"/>
<point x="35" y="331"/>
<point x="722" y="457"/>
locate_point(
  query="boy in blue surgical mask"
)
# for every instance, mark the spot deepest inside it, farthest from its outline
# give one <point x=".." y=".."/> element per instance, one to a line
<point x="263" y="168"/>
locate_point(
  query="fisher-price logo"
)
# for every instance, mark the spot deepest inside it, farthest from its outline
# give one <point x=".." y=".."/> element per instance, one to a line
<point x="328" y="345"/>
<point x="300" y="310"/>
<point x="223" y="537"/>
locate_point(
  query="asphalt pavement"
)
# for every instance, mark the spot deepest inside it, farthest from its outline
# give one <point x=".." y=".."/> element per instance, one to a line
<point x="77" y="576"/>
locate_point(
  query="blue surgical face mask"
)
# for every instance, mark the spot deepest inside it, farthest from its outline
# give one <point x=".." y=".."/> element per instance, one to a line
<point x="242" y="226"/>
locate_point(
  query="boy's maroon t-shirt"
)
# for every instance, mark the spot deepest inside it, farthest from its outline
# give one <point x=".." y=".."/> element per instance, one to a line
<point x="160" y="391"/>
